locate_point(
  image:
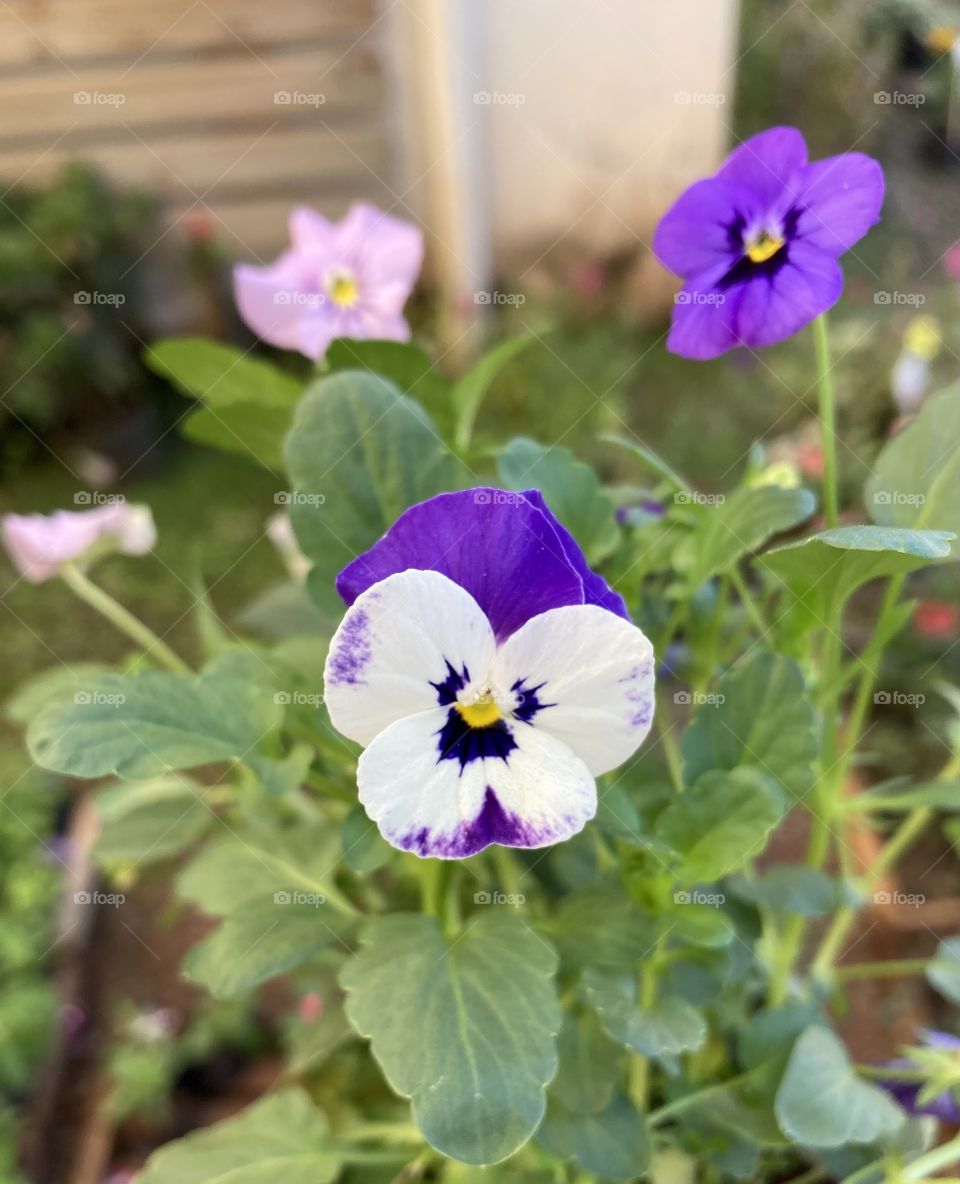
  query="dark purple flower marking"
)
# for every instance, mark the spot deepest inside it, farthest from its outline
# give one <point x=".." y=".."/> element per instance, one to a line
<point x="757" y="244"/>
<point x="506" y="549"/>
<point x="492" y="825"/>
<point x="352" y="654"/>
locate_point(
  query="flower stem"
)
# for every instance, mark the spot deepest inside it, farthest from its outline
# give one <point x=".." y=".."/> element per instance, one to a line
<point x="827" y="412"/>
<point x="894" y="968"/>
<point x="122" y="619"/>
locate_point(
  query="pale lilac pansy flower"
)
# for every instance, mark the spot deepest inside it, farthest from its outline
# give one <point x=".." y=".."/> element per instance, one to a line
<point x="41" y="544"/>
<point x="337" y="279"/>
<point x="489" y="673"/>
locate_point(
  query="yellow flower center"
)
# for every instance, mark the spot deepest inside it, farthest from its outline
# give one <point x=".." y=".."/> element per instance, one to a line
<point x="344" y="290"/>
<point x="763" y="247"/>
<point x="940" y="39"/>
<point x="481" y="713"/>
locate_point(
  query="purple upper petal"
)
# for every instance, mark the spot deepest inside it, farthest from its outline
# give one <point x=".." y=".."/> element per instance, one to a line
<point x="506" y="549"/>
<point x="767" y="163"/>
<point x="840" y="199"/>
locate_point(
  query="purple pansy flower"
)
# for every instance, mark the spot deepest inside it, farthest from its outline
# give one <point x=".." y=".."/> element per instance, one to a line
<point x="944" y="1106"/>
<point x="490" y="674"/>
<point x="757" y="244"/>
<point x="338" y="279"/>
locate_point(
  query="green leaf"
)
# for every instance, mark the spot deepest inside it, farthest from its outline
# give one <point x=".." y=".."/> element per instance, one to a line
<point x="613" y="1144"/>
<point x="649" y="459"/>
<point x="943" y="970"/>
<point x="668" y="1027"/>
<point x="736" y="526"/>
<point x="470" y="391"/>
<point x="252" y="430"/>
<point x="261" y="938"/>
<point x="221" y="375"/>
<point x="702" y="925"/>
<point x="266" y="860"/>
<point x="364" y="850"/>
<point x="148" y="724"/>
<point x="793" y="888"/>
<point x="248" y="404"/>
<point x="822" y="1102"/>
<point x="720" y="822"/>
<point x="916" y="477"/>
<point x="601" y="927"/>
<point x="570" y="488"/>
<point x="822" y="571"/>
<point x="149" y="820"/>
<point x="463" y="1027"/>
<point x="404" y="364"/>
<point x="58" y="682"/>
<point x="591" y="1064"/>
<point x="281" y="1137"/>
<point x="764" y="719"/>
<point x="359" y="454"/>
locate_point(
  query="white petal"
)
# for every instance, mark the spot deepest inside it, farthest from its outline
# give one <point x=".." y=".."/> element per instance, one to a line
<point x="396" y="640"/>
<point x="596" y="671"/>
<point x="426" y="802"/>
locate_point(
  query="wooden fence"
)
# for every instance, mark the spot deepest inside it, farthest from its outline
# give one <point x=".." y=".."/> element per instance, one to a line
<point x="239" y="107"/>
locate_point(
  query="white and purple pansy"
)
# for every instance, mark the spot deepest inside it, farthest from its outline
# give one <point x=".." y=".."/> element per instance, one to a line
<point x="489" y="673"/>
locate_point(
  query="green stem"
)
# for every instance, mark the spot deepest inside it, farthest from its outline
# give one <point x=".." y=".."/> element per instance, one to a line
<point x="671" y="752"/>
<point x="844" y="918"/>
<point x="680" y="1105"/>
<point x="933" y="1161"/>
<point x="747" y="600"/>
<point x="121" y="618"/>
<point x="383" y="1132"/>
<point x="431" y="886"/>
<point x="895" y="968"/>
<point x="885" y="1073"/>
<point x="827" y="411"/>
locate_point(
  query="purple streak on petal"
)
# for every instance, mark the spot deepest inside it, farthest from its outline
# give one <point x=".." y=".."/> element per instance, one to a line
<point x="506" y="549"/>
<point x="492" y="825"/>
<point x="768" y="164"/>
<point x="353" y="652"/>
<point x="841" y="199"/>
